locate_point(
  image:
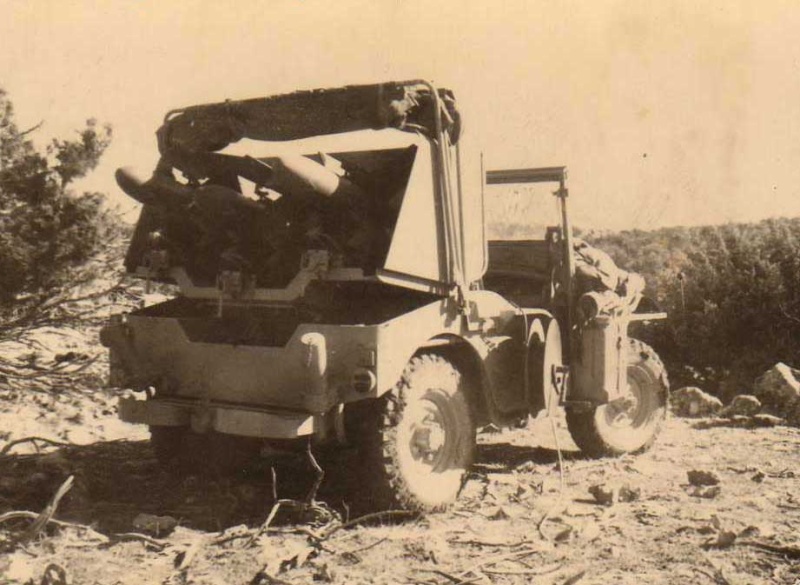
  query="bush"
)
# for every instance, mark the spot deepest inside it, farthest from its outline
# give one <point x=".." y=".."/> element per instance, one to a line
<point x="48" y="232"/>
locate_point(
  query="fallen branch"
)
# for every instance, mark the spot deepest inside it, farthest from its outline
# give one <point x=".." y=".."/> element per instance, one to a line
<point x="367" y="518"/>
<point x="135" y="536"/>
<point x="8" y="446"/>
<point x="494" y="543"/>
<point x="791" y="552"/>
<point x="452" y="578"/>
<point x="48" y="512"/>
<point x="463" y="578"/>
<point x="320" y="474"/>
<point x="265" y="526"/>
<point x="26" y="515"/>
<point x="363" y="548"/>
<point x="541" y="571"/>
<point x="108" y="540"/>
<point x="230" y="538"/>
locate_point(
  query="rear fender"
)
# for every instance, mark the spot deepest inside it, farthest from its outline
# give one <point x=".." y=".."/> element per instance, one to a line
<point x="545" y="375"/>
<point x="489" y="356"/>
<point x="481" y="363"/>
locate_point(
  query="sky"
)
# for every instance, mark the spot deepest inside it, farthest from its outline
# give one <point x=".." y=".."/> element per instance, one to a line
<point x="665" y="112"/>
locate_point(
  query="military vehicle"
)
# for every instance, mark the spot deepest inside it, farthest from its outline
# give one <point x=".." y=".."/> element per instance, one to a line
<point x="336" y="287"/>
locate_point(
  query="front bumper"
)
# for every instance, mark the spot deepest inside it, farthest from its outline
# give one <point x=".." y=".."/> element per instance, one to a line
<point x="235" y="420"/>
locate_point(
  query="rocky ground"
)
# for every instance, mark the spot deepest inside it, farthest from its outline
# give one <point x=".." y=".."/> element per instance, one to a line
<point x="633" y="520"/>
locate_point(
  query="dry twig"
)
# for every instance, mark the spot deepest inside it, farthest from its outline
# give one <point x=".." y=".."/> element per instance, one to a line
<point x="8" y="446"/>
<point x="363" y="548"/>
<point x="135" y="536"/>
<point x="791" y="552"/>
<point x="265" y="526"/>
<point x="528" y="571"/>
<point x="476" y="569"/>
<point x="49" y="510"/>
<point x="320" y="474"/>
<point x="367" y="518"/>
<point x="494" y="543"/>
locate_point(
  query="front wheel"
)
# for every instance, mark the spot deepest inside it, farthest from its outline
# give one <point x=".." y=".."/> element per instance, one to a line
<point x="633" y="423"/>
<point x="417" y="442"/>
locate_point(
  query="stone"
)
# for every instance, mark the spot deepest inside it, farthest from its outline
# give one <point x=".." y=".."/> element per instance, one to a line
<point x="702" y="477"/>
<point x="155" y="525"/>
<point x="777" y="389"/>
<point x="692" y="402"/>
<point x="793" y="413"/>
<point x="742" y="405"/>
<point x="723" y="539"/>
<point x="609" y="494"/>
<point x="767" y="420"/>
<point x="704" y="491"/>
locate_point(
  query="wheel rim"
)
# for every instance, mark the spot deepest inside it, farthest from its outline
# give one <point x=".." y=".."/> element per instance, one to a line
<point x="628" y="423"/>
<point x="430" y="448"/>
<point x="431" y="433"/>
<point x="629" y="411"/>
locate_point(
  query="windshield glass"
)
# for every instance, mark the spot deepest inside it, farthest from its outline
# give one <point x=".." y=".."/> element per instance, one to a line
<point x="520" y="212"/>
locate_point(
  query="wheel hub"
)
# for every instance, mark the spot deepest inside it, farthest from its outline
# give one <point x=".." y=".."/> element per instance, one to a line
<point x="428" y="436"/>
<point x="623" y="411"/>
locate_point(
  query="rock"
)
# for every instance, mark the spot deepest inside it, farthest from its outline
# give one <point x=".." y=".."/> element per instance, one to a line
<point x="691" y="402"/>
<point x="793" y="413"/>
<point x="702" y="477"/>
<point x="609" y="494"/>
<point x="777" y="389"/>
<point x="767" y="420"/>
<point x="757" y="530"/>
<point x="737" y="421"/>
<point x="704" y="491"/>
<point x="496" y="513"/>
<point x="155" y="525"/>
<point x="723" y="539"/>
<point x="742" y="405"/>
<point x="578" y="510"/>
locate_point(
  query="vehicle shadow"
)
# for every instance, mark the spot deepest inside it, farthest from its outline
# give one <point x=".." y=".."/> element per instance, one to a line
<point x="508" y="457"/>
<point x="116" y="481"/>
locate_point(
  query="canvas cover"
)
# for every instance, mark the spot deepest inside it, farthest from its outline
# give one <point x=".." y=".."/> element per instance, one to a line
<point x="292" y="116"/>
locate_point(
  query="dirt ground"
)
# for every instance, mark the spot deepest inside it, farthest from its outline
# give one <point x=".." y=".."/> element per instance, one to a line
<point x="748" y="533"/>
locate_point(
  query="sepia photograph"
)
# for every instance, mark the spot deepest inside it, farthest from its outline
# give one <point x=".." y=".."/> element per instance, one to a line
<point x="398" y="292"/>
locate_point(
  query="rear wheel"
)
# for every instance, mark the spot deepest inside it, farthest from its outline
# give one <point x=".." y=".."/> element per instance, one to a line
<point x="417" y="442"/>
<point x="632" y="423"/>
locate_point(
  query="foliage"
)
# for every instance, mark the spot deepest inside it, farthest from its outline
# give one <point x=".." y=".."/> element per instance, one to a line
<point x="52" y="239"/>
<point x="732" y="292"/>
